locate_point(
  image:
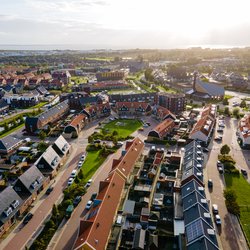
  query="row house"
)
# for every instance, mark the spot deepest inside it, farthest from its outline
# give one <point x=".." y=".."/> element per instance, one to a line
<point x="95" y="227"/>
<point x="244" y="130"/>
<point x="160" y="113"/>
<point x="62" y="75"/>
<point x="50" y="116"/>
<point x="76" y="125"/>
<point x="132" y="108"/>
<point x="139" y="97"/>
<point x="97" y="111"/>
<point x="162" y="129"/>
<point x="204" y="126"/>
<point x="9" y="144"/>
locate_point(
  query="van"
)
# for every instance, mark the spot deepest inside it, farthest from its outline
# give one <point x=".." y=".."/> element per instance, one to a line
<point x="73" y="173"/>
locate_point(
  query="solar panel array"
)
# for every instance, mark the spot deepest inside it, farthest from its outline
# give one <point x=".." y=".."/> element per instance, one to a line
<point x="194" y="230"/>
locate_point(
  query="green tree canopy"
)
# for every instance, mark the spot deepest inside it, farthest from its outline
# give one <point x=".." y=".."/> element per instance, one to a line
<point x="225" y="149"/>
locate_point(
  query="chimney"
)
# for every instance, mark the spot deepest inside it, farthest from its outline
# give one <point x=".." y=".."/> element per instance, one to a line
<point x="194" y="82"/>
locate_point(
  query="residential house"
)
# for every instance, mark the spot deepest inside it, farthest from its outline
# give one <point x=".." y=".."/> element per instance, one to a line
<point x="160" y="113"/>
<point x="49" y="117"/>
<point x="49" y="162"/>
<point x="42" y="91"/>
<point x="140" y="97"/>
<point x="75" y="126"/>
<point x="30" y="184"/>
<point x="162" y="129"/>
<point x="61" y="146"/>
<point x="4" y="106"/>
<point x="9" y="143"/>
<point x="132" y="108"/>
<point x="203" y="129"/>
<point x="63" y="76"/>
<point x="97" y="111"/>
<point x="244" y="130"/>
<point x="110" y="76"/>
<point x="10" y="208"/>
<point x="95" y="228"/>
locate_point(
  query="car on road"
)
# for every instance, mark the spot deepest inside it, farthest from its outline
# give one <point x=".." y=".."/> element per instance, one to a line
<point x="148" y="123"/>
<point x="80" y="164"/>
<point x="217" y="220"/>
<point x="89" y="204"/>
<point x="88" y="183"/>
<point x="70" y="181"/>
<point x="97" y="141"/>
<point x="219" y="164"/>
<point x="244" y="172"/>
<point x="220" y="169"/>
<point x="49" y="190"/>
<point x="210" y="183"/>
<point x="215" y="209"/>
<point x="119" y="143"/>
<point x="77" y="200"/>
<point x="73" y="173"/>
<point x="82" y="159"/>
<point x="220" y="130"/>
<point x="93" y="196"/>
<point x="218" y="138"/>
<point x="205" y="150"/>
<point x="141" y="129"/>
<point x="27" y="218"/>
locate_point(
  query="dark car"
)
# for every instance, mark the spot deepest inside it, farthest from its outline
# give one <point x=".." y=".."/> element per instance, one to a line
<point x="77" y="200"/>
<point x="220" y="169"/>
<point x="27" y="218"/>
<point x="244" y="172"/>
<point x="93" y="196"/>
<point x="49" y="190"/>
<point x="205" y="150"/>
<point x="97" y="141"/>
<point x="210" y="183"/>
<point x="218" y="138"/>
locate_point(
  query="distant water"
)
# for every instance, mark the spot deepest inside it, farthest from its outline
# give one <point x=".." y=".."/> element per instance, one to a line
<point x="98" y="47"/>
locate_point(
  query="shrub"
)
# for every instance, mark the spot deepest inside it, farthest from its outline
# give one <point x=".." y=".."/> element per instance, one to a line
<point x="225" y="149"/>
<point x="231" y="203"/>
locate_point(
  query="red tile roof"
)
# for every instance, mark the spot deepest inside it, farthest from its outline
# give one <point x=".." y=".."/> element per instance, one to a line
<point x="164" y="127"/>
<point x="95" y="228"/>
<point x="244" y="126"/>
<point x="78" y="119"/>
<point x="134" y="105"/>
<point x="163" y="112"/>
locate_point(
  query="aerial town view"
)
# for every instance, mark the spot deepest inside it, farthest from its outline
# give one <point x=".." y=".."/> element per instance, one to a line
<point x="124" y="125"/>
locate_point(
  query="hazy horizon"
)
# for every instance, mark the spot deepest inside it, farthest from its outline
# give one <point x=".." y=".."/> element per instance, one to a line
<point x="118" y="24"/>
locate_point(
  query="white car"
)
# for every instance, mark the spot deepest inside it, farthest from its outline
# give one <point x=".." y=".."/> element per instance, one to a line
<point x="217" y="219"/>
<point x="82" y="158"/>
<point x="70" y="181"/>
<point x="89" y="204"/>
<point x="73" y="173"/>
<point x="88" y="183"/>
<point x="80" y="164"/>
<point x="215" y="209"/>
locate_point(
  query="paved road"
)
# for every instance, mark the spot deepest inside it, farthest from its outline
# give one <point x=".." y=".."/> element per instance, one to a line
<point x="20" y="236"/>
<point x="231" y="236"/>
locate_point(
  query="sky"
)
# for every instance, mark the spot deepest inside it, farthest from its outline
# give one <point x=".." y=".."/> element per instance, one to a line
<point x="120" y="24"/>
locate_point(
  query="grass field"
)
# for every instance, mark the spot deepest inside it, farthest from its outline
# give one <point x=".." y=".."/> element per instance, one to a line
<point x="242" y="190"/>
<point x="124" y="127"/>
<point x="92" y="163"/>
<point x="39" y="105"/>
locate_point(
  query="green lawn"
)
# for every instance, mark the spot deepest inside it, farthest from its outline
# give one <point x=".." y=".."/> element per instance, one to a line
<point x="242" y="190"/>
<point x="228" y="96"/>
<point x="39" y="105"/>
<point x="124" y="127"/>
<point x="92" y="163"/>
<point x="12" y="130"/>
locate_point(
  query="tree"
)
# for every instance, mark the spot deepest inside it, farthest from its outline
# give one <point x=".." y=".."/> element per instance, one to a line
<point x="243" y="104"/>
<point x="42" y="135"/>
<point x="226" y="111"/>
<point x="148" y="75"/>
<point x="55" y="211"/>
<point x="80" y="174"/>
<point x="225" y="149"/>
<point x="77" y="181"/>
<point x="6" y="127"/>
<point x="236" y="112"/>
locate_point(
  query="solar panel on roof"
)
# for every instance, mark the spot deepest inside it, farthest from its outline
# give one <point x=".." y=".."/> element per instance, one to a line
<point x="194" y="230"/>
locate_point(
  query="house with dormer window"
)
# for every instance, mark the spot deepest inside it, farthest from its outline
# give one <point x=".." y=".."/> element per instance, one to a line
<point x="132" y="108"/>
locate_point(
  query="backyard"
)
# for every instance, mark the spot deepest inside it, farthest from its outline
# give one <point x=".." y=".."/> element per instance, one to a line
<point x="242" y="190"/>
<point x="124" y="127"/>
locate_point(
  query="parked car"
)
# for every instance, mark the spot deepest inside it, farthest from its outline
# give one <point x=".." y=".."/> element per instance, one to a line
<point x="215" y="209"/>
<point x="217" y="220"/>
<point x="205" y="150"/>
<point x="219" y="164"/>
<point x="220" y="169"/>
<point x="73" y="173"/>
<point x="218" y="138"/>
<point x="77" y="200"/>
<point x="97" y="141"/>
<point x="88" y="183"/>
<point x="82" y="159"/>
<point x="79" y="164"/>
<point x="243" y="171"/>
<point x="119" y="143"/>
<point x="69" y="211"/>
<point x="27" y="218"/>
<point x="93" y="196"/>
<point x="210" y="183"/>
<point x="70" y="181"/>
<point x="89" y="204"/>
<point x="141" y="129"/>
<point x="49" y="190"/>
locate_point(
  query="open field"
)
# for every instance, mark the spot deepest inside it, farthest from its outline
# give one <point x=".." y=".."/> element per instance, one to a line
<point x="242" y="190"/>
<point x="124" y="127"/>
